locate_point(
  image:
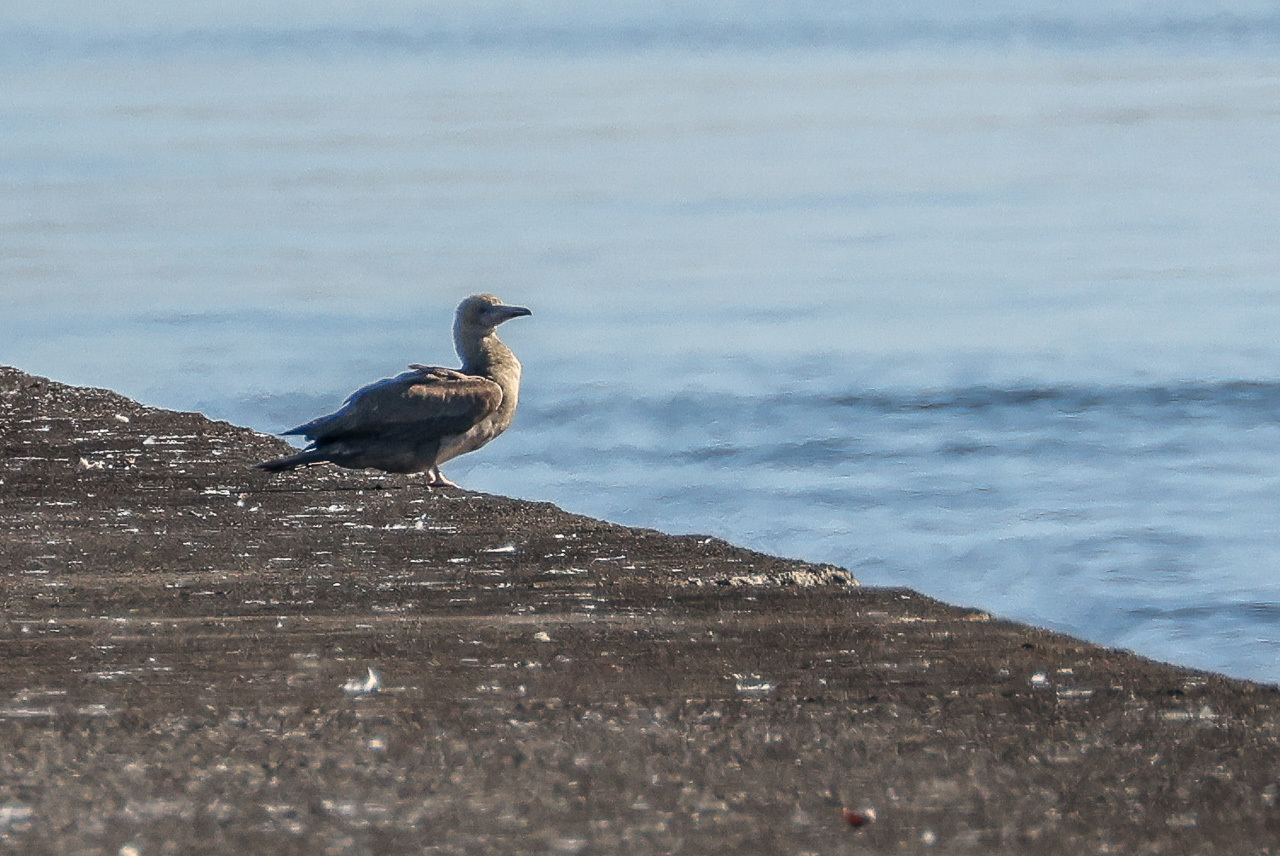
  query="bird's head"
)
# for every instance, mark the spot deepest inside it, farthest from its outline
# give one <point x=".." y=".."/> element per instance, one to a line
<point x="484" y="312"/>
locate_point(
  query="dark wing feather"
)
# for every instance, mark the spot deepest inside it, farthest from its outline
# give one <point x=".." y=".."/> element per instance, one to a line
<point x="426" y="401"/>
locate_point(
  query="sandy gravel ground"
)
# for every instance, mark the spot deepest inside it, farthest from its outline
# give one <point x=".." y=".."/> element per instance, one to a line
<point x="199" y="658"/>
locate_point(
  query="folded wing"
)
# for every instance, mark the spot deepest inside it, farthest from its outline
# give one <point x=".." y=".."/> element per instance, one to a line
<point x="427" y="401"/>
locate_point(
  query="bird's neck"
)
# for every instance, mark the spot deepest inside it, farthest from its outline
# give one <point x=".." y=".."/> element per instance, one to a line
<point x="484" y="354"/>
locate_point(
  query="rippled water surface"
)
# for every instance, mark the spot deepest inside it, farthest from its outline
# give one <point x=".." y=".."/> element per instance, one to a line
<point x="979" y="301"/>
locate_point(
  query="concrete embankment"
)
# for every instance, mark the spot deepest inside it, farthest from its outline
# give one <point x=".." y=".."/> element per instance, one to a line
<point x="200" y="658"/>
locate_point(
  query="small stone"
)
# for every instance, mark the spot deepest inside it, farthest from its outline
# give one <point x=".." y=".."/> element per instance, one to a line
<point x="856" y="817"/>
<point x="363" y="686"/>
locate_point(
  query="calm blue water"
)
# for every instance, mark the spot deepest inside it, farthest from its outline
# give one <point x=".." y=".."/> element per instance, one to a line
<point x="978" y="301"/>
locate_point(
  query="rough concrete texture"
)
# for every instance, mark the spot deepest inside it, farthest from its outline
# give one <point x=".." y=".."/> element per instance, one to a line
<point x="201" y="658"/>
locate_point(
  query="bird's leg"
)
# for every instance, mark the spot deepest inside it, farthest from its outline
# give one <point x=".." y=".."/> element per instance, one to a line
<point x="436" y="478"/>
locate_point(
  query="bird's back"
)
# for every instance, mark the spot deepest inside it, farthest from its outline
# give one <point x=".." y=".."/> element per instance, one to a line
<point x="399" y="424"/>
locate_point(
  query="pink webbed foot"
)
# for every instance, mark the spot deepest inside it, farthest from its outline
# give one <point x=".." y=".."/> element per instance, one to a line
<point x="435" y="478"/>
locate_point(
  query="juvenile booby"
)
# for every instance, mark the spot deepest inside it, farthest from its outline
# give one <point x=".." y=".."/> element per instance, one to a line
<point x="416" y="421"/>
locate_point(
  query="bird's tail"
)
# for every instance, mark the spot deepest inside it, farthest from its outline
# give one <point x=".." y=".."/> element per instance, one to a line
<point x="292" y="462"/>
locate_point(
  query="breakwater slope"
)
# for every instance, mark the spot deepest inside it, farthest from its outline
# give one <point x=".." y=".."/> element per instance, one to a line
<point x="200" y="658"/>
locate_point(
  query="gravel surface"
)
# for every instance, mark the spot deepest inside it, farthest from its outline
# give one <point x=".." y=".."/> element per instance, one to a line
<point x="202" y="658"/>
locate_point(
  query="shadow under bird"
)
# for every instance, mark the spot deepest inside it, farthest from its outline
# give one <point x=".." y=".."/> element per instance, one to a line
<point x="416" y="421"/>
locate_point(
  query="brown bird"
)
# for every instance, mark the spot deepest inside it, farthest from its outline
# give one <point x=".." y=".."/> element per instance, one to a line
<point x="416" y="421"/>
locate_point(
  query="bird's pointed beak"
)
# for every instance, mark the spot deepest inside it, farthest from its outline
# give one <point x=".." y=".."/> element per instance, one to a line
<point x="506" y="313"/>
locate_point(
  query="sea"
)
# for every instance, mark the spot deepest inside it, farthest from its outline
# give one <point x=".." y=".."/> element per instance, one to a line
<point x="979" y="299"/>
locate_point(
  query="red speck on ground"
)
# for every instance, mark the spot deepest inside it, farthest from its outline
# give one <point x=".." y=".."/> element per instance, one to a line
<point x="856" y="817"/>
